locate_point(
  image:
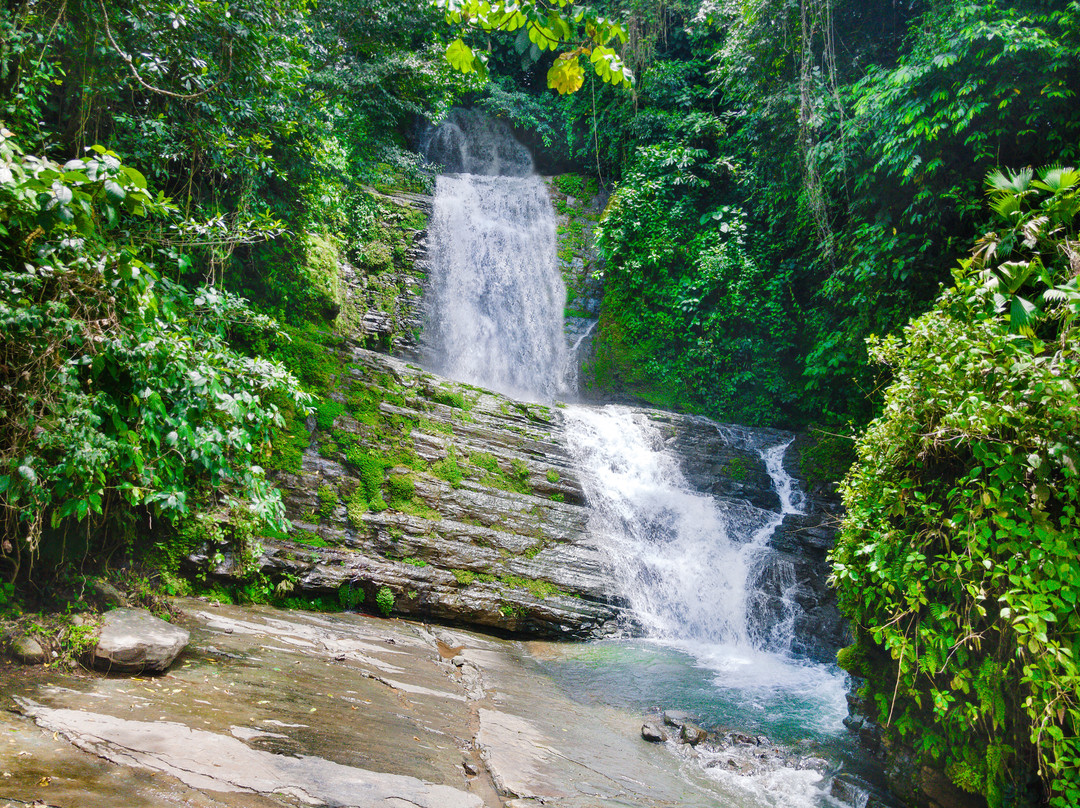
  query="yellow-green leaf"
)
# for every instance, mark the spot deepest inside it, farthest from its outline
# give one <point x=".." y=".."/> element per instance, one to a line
<point x="460" y="56"/>
<point x="566" y="76"/>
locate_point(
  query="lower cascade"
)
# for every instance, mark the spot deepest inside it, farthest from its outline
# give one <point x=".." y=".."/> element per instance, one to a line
<point x="685" y="563"/>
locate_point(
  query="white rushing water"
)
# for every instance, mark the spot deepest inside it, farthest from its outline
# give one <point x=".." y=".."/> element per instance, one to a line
<point x="684" y="562"/>
<point x="496" y="296"/>
<point x="680" y="559"/>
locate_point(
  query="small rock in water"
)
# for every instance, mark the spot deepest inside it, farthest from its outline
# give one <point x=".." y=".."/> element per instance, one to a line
<point x="691" y="734"/>
<point x="676" y="718"/>
<point x="854" y="723"/>
<point x="652" y="732"/>
<point x="847" y="791"/>
<point x="741" y="739"/>
<point x="470" y="768"/>
<point x="816" y="764"/>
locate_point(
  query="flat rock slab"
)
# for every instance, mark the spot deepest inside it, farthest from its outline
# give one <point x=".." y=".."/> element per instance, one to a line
<point x="210" y="761"/>
<point x="277" y="709"/>
<point x="133" y="640"/>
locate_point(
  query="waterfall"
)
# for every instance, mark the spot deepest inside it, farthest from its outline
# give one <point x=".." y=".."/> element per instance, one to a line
<point x="681" y="559"/>
<point x="688" y="565"/>
<point x="496" y="297"/>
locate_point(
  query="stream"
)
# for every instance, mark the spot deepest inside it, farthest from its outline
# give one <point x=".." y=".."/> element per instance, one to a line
<point x="702" y="638"/>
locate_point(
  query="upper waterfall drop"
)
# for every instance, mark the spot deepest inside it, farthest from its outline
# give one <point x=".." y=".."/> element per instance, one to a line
<point x="496" y="297"/>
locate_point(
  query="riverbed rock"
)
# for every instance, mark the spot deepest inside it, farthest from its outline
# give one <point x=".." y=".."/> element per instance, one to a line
<point x="133" y="640"/>
<point x="676" y="718"/>
<point x="651" y="731"/>
<point x="692" y="734"/>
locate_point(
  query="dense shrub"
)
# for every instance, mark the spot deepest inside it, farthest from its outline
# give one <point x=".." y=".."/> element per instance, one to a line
<point x="958" y="561"/>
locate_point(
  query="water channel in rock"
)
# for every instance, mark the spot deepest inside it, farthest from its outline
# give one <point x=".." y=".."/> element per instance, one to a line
<point x="682" y="560"/>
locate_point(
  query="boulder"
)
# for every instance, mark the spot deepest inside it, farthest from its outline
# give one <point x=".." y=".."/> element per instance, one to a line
<point x="676" y="718"/>
<point x="28" y="650"/>
<point x="133" y="640"/>
<point x="107" y="593"/>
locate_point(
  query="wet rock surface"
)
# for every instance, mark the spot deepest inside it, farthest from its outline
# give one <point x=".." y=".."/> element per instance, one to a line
<point x="133" y="640"/>
<point x="277" y="708"/>
<point x="736" y="755"/>
<point x="492" y="529"/>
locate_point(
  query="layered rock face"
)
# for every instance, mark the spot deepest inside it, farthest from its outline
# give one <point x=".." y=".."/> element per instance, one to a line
<point x="426" y="497"/>
<point x="420" y="496"/>
<point x="460" y="502"/>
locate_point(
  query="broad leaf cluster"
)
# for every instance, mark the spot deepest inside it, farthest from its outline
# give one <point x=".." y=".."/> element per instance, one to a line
<point x="542" y="25"/>
<point x="119" y="393"/>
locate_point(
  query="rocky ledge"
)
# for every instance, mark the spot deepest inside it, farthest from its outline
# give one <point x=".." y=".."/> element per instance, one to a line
<point x="424" y="497"/>
<point x="270" y="708"/>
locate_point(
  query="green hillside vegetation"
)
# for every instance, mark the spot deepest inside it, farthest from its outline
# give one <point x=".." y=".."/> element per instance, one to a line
<point x="795" y="190"/>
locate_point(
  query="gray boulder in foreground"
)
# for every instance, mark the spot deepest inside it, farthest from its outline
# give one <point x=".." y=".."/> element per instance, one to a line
<point x="133" y="640"/>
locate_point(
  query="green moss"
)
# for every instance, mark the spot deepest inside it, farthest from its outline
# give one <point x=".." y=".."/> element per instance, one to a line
<point x="464" y="577"/>
<point x="736" y="469"/>
<point x="429" y="426"/>
<point x="371" y="469"/>
<point x="552" y="476"/>
<point x="308" y="538"/>
<point x="355" y="508"/>
<point x="450" y="399"/>
<point x="412" y="561"/>
<point x="853" y="660"/>
<point x="417" y="507"/>
<point x="557" y="497"/>
<point x="328" y="500"/>
<point x="400" y="488"/>
<point x="376" y="257"/>
<point x="535" y="587"/>
<point x="512" y="610"/>
<point x="326" y="410"/>
<point x="448" y="469"/>
<point x="319" y="269"/>
<point x="288" y="442"/>
<point x="485" y="461"/>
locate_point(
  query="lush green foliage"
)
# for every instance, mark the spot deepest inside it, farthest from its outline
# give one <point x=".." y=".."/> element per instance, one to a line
<point x="133" y="383"/>
<point x="542" y="25"/>
<point x="958" y="561"/>
<point x="854" y="169"/>
<point x="694" y="316"/>
<point x="120" y="390"/>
